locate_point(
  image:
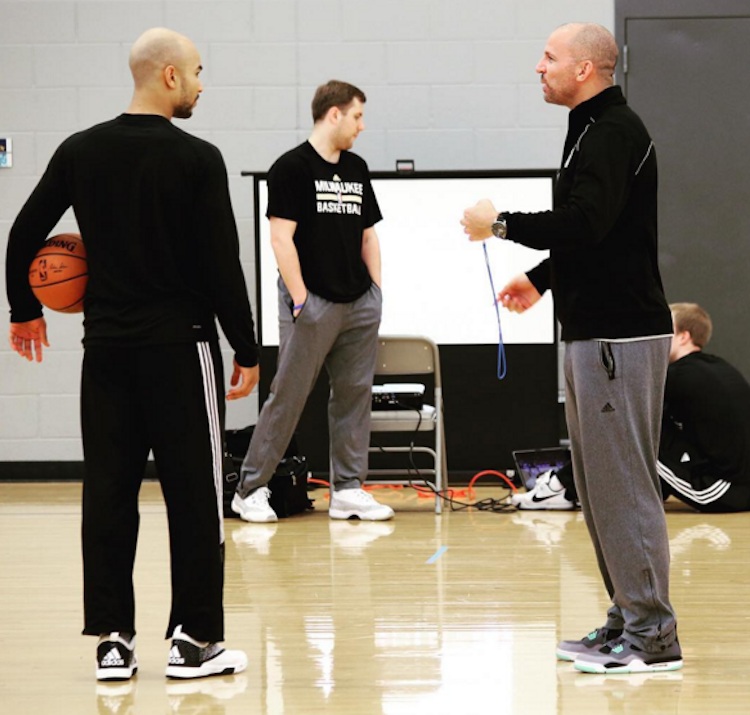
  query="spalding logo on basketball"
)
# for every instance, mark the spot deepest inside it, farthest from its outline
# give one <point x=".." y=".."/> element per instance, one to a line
<point x="59" y="273"/>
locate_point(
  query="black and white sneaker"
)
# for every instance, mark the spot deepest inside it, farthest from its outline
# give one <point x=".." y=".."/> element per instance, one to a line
<point x="189" y="658"/>
<point x="115" y="657"/>
<point x="548" y="493"/>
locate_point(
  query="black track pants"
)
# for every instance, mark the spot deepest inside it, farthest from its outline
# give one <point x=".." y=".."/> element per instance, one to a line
<point x="168" y="399"/>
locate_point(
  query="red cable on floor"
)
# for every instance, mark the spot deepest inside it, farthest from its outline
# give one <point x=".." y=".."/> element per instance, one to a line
<point x="497" y="474"/>
<point x="322" y="482"/>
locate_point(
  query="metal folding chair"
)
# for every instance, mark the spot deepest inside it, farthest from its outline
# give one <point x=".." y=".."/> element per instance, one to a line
<point x="403" y="356"/>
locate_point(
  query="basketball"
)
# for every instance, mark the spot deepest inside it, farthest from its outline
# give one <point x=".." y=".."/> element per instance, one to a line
<point x="59" y="273"/>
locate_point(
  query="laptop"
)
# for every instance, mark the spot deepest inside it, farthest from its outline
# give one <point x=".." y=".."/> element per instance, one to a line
<point x="530" y="463"/>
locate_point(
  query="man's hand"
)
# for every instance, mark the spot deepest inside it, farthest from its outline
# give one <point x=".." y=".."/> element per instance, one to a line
<point x="27" y="338"/>
<point x="301" y="304"/>
<point x="478" y="220"/>
<point x="519" y="294"/>
<point x="244" y="379"/>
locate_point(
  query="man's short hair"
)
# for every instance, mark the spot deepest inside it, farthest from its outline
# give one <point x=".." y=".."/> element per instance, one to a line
<point x="697" y="322"/>
<point x="595" y="43"/>
<point x="334" y="94"/>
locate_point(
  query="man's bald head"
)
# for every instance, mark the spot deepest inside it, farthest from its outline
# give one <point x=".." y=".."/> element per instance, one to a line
<point x="589" y="41"/>
<point x="155" y="50"/>
<point x="578" y="63"/>
<point x="166" y="68"/>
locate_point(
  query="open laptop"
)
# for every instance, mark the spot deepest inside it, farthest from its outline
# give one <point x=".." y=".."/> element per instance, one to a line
<point x="530" y="463"/>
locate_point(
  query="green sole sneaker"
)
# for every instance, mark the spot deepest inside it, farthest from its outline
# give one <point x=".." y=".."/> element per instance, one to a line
<point x="621" y="656"/>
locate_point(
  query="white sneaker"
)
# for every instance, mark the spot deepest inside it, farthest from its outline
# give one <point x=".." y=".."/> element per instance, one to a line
<point x="255" y="508"/>
<point x="548" y="493"/>
<point x="189" y="658"/>
<point x="347" y="503"/>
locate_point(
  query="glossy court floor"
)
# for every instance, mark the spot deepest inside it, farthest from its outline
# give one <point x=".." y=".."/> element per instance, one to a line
<point x="454" y="614"/>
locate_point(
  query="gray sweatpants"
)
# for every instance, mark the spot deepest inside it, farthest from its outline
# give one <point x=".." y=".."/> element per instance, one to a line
<point x="614" y="401"/>
<point x="344" y="338"/>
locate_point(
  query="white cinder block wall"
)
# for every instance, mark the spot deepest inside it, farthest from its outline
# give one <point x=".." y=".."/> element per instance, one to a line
<point x="450" y="84"/>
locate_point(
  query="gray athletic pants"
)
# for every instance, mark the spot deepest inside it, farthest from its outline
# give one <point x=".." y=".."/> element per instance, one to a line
<point x="344" y="338"/>
<point x="614" y="401"/>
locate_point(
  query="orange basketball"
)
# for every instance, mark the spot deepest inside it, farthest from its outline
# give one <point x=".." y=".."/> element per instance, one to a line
<point x="59" y="273"/>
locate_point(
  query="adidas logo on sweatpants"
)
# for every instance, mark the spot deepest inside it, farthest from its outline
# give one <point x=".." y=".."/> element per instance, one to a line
<point x="112" y="659"/>
<point x="175" y="657"/>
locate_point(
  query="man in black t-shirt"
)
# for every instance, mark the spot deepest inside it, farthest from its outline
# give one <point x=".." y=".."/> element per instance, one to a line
<point x="704" y="451"/>
<point x="152" y="204"/>
<point x="323" y="213"/>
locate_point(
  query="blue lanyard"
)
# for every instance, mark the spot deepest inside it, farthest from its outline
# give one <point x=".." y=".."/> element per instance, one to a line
<point x="502" y="364"/>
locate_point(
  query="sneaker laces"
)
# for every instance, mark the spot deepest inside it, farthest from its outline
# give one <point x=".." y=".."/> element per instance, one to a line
<point x="543" y="486"/>
<point x="117" y="637"/>
<point x="359" y="495"/>
<point x="260" y="496"/>
<point x="544" y="477"/>
<point x="558" y="487"/>
<point x="619" y="641"/>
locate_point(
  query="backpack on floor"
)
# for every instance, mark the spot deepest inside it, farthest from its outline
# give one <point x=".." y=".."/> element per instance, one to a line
<point x="288" y="485"/>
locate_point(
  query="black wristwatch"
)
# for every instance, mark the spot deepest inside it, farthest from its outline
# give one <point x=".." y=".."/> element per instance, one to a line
<point x="500" y="227"/>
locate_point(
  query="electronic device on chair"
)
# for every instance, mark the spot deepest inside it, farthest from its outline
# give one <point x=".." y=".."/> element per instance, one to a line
<point x="398" y="396"/>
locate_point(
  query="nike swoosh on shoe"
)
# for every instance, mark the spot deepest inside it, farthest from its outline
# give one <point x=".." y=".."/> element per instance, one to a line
<point x="537" y="499"/>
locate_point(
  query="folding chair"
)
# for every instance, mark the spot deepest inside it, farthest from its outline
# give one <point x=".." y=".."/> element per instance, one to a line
<point x="402" y="356"/>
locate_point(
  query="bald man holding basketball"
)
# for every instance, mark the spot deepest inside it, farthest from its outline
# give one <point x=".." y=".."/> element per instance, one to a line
<point x="152" y="204"/>
<point x="604" y="276"/>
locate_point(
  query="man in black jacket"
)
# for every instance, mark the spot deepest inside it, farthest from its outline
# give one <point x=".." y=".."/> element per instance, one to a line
<point x="152" y="204"/>
<point x="603" y="272"/>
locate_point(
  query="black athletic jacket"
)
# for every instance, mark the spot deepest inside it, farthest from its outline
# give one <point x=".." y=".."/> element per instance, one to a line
<point x="152" y="204"/>
<point x="602" y="232"/>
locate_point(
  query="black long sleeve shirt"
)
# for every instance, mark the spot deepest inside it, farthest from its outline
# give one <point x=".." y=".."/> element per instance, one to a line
<point x="152" y="205"/>
<point x="708" y="400"/>
<point x="602" y="231"/>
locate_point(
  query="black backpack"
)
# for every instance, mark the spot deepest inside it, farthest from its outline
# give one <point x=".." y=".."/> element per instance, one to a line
<point x="288" y="485"/>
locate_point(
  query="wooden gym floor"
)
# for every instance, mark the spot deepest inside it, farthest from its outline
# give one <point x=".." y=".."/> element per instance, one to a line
<point x="429" y="614"/>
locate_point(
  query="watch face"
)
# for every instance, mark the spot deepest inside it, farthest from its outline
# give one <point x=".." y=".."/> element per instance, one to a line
<point x="500" y="229"/>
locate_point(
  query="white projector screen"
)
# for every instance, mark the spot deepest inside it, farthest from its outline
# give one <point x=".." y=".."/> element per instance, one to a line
<point x="435" y="281"/>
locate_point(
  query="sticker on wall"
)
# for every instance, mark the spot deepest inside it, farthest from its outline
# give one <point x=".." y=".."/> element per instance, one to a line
<point x="6" y="153"/>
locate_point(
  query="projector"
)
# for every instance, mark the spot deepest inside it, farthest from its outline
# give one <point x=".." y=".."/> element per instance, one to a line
<point x="398" y="396"/>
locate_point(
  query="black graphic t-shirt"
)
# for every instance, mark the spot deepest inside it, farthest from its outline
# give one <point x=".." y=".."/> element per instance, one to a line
<point x="332" y="205"/>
